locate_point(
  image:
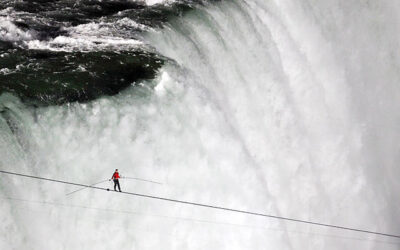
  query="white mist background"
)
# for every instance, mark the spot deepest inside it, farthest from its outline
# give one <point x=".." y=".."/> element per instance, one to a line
<point x="287" y="108"/>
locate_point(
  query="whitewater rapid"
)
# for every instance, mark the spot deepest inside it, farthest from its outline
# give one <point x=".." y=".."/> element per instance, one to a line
<point x="287" y="108"/>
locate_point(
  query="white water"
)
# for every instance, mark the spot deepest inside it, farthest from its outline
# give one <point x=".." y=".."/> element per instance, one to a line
<point x="10" y="32"/>
<point x="284" y="108"/>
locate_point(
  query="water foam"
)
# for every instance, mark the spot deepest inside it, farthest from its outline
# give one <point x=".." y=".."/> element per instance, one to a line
<point x="92" y="37"/>
<point x="11" y="33"/>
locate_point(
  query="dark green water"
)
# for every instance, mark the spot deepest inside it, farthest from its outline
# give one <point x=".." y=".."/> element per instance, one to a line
<point x="53" y="52"/>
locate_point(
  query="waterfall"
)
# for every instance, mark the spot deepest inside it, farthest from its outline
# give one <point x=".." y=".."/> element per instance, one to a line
<point x="287" y="108"/>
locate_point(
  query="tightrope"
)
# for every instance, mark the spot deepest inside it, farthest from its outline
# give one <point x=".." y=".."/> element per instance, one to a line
<point x="94" y="184"/>
<point x="208" y="206"/>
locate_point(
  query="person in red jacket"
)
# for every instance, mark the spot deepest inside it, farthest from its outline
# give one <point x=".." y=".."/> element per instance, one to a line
<point x="115" y="177"/>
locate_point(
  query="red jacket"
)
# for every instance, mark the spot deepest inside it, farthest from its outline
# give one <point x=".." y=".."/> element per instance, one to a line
<point x="115" y="175"/>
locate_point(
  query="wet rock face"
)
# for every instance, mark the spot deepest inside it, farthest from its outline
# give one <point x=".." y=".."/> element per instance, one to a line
<point x="53" y="52"/>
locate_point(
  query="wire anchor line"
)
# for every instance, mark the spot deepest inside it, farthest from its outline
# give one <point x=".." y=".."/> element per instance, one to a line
<point x="210" y="206"/>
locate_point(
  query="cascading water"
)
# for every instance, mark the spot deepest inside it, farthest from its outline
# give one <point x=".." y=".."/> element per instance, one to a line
<point x="280" y="107"/>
